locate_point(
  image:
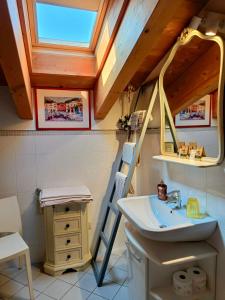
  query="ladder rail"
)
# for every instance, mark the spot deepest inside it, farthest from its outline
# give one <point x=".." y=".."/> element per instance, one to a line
<point x="102" y="228"/>
<point x="101" y="274"/>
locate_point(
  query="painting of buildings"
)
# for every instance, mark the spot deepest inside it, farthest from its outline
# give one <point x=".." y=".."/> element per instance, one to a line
<point x="63" y="109"/>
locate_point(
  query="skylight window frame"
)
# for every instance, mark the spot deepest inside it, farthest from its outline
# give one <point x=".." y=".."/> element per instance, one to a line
<point x="31" y="5"/>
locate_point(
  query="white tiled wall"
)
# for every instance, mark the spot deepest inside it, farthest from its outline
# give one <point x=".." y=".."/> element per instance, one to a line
<point x="31" y="160"/>
<point x="207" y="184"/>
<point x="28" y="162"/>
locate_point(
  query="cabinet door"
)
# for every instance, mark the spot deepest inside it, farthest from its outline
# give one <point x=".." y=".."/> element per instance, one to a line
<point x="137" y="274"/>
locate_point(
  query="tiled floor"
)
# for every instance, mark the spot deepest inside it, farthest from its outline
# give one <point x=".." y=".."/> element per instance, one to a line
<point x="69" y="286"/>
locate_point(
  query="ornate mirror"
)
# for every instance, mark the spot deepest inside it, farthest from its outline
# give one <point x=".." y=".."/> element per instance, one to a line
<point x="191" y="90"/>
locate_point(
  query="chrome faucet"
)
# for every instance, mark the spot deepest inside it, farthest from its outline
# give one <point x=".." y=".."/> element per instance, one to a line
<point x="174" y="197"/>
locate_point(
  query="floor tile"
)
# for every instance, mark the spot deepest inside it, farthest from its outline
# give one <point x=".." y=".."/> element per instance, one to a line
<point x="122" y="294"/>
<point x="43" y="297"/>
<point x="22" y="276"/>
<point x="95" y="297"/>
<point x="24" y="294"/>
<point x="10" y="288"/>
<point x="117" y="275"/>
<point x="71" y="277"/>
<point x="57" y="289"/>
<point x="3" y="279"/>
<point x="76" y="293"/>
<point x="87" y="282"/>
<point x="125" y="282"/>
<point x="89" y="270"/>
<point x="42" y="282"/>
<point x="11" y="271"/>
<point x="107" y="291"/>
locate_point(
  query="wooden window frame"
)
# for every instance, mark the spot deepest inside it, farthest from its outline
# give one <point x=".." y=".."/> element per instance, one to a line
<point x="31" y="6"/>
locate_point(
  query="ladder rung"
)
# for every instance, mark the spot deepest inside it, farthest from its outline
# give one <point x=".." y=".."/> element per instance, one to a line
<point x="104" y="239"/>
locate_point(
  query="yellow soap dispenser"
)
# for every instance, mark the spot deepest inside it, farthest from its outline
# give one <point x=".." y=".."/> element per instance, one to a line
<point x="193" y="209"/>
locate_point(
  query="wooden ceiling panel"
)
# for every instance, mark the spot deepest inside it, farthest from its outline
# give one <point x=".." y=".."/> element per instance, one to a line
<point x="62" y="81"/>
<point x="13" y="58"/>
<point x="56" y="69"/>
<point x="197" y="78"/>
<point x="185" y="57"/>
<point x="2" y="77"/>
<point x="53" y="62"/>
<point x="148" y="30"/>
<point x="83" y="4"/>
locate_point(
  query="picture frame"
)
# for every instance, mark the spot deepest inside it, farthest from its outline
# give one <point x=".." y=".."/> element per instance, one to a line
<point x="62" y="109"/>
<point x="196" y="115"/>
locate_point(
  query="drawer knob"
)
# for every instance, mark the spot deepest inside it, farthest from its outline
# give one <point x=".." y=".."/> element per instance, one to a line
<point x="68" y="256"/>
<point x="67" y="226"/>
<point x="67" y="242"/>
<point x="67" y="209"/>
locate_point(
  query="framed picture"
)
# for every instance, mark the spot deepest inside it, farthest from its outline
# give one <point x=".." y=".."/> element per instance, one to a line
<point x="196" y="115"/>
<point x="59" y="109"/>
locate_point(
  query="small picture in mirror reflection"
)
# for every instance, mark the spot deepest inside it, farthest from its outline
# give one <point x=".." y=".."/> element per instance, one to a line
<point x="195" y="115"/>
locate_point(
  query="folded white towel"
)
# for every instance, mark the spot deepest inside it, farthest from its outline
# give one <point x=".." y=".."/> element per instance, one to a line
<point x="120" y="180"/>
<point x="64" y="201"/>
<point x="128" y="152"/>
<point x="65" y="192"/>
<point x="54" y="196"/>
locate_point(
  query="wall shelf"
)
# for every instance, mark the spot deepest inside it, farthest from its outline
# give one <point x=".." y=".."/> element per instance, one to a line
<point x="167" y="293"/>
<point x="184" y="161"/>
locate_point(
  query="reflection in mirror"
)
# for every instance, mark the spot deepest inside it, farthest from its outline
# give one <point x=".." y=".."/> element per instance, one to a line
<point x="192" y="99"/>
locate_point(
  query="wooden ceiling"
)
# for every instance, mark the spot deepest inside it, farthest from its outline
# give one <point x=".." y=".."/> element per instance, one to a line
<point x="134" y="38"/>
<point x="193" y="73"/>
<point x="2" y="78"/>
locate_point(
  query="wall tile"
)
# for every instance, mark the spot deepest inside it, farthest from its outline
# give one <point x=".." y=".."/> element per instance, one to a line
<point x="26" y="172"/>
<point x="7" y="166"/>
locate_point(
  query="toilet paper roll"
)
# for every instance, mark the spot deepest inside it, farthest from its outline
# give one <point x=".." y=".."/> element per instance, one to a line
<point x="182" y="283"/>
<point x="199" y="279"/>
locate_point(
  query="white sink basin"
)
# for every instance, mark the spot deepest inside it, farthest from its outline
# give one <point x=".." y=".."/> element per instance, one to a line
<point x="157" y="221"/>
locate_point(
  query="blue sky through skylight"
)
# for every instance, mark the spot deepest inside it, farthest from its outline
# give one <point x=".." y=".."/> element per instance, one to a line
<point x="64" y="25"/>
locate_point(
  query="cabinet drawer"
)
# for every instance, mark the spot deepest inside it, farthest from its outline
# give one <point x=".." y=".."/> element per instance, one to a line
<point x="67" y="241"/>
<point x="67" y="210"/>
<point x="65" y="257"/>
<point x="67" y="225"/>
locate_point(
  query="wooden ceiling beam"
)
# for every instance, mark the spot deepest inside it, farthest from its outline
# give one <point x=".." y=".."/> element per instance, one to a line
<point x="198" y="80"/>
<point x="146" y="33"/>
<point x="3" y="81"/>
<point x="13" y="58"/>
<point x="25" y="26"/>
<point x="110" y="27"/>
<point x="63" y="70"/>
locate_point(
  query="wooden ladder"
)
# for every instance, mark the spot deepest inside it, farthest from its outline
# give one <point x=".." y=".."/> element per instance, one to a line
<point x="108" y="243"/>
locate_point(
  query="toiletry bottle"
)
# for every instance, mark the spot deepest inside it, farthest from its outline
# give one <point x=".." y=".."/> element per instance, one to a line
<point x="193" y="210"/>
<point x="162" y="190"/>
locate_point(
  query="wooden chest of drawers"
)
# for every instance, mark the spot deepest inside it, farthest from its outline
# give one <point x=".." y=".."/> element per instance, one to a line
<point x="66" y="237"/>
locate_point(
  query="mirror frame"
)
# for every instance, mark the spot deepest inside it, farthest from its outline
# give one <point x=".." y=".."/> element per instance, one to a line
<point x="185" y="38"/>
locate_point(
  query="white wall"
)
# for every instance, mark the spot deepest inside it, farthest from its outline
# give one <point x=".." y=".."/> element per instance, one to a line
<point x="207" y="184"/>
<point x="31" y="159"/>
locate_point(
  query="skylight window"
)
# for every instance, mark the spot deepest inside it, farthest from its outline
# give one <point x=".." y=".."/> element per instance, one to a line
<point x="64" y="25"/>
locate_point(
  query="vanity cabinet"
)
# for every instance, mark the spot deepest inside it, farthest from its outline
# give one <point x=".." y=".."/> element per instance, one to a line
<point x="151" y="265"/>
<point x="66" y="237"/>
